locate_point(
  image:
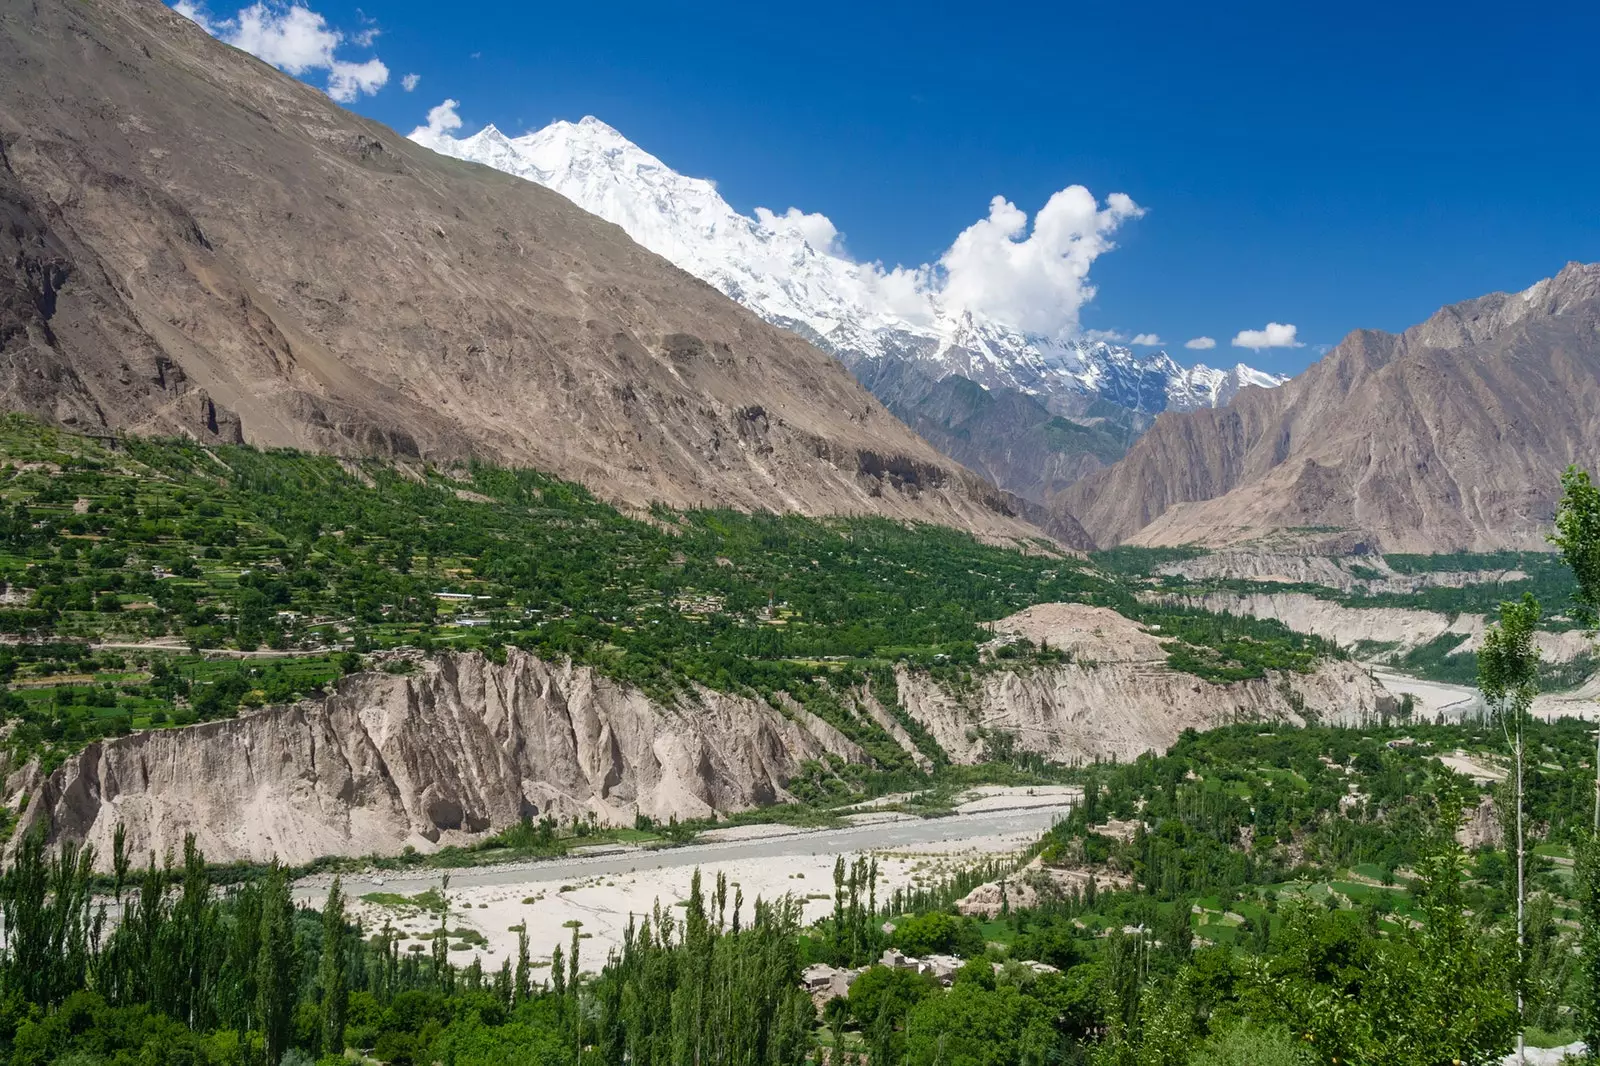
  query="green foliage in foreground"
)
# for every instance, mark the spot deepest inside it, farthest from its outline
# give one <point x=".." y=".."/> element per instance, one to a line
<point x="129" y="571"/>
<point x="1380" y="943"/>
<point x="243" y="980"/>
<point x="188" y="977"/>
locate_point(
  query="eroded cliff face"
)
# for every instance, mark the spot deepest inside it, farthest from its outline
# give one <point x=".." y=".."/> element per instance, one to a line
<point x="1117" y="698"/>
<point x="1077" y="714"/>
<point x="462" y="747"/>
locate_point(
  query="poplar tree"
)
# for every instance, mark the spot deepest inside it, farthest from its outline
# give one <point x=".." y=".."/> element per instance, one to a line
<point x="276" y="964"/>
<point x="1508" y="676"/>
<point x="331" y="974"/>
<point x="1577" y="537"/>
<point x="524" y="987"/>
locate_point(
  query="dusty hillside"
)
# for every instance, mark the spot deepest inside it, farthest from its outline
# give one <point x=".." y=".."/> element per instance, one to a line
<point x="1448" y="436"/>
<point x="193" y="241"/>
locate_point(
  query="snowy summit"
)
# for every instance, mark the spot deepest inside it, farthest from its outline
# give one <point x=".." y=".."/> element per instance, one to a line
<point x="792" y="271"/>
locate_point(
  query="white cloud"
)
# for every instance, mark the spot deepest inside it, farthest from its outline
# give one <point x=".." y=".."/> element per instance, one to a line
<point x="1200" y="344"/>
<point x="903" y="292"/>
<point x="442" y="119"/>
<point x="296" y="40"/>
<point x="1110" y="336"/>
<point x="346" y="81"/>
<point x="1034" y="281"/>
<point x="409" y="82"/>
<point x="1275" y="335"/>
<point x="1148" y="340"/>
<point x="816" y="229"/>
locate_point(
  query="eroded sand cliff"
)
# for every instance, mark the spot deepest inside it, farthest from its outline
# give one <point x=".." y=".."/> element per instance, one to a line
<point x="463" y="746"/>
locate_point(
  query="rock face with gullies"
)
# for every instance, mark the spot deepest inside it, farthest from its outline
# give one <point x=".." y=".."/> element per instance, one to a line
<point x="192" y="242"/>
<point x="1117" y="698"/>
<point x="462" y="747"/>
<point x="1449" y="436"/>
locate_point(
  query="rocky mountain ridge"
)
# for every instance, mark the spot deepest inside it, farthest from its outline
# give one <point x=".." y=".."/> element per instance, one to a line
<point x="1449" y="436"/>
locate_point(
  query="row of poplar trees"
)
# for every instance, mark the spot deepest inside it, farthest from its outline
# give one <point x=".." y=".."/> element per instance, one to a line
<point x="707" y="986"/>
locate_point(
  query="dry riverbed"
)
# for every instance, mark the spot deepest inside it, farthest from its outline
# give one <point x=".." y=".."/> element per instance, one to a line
<point x="602" y="891"/>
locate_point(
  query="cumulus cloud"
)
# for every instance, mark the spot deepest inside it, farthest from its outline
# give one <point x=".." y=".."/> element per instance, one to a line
<point x="346" y="81"/>
<point x="816" y="229"/>
<point x="1036" y="281"/>
<point x="409" y="82"/>
<point x="1110" y="336"/>
<point x="1200" y="344"/>
<point x="1148" y="340"/>
<point x="297" y="41"/>
<point x="1275" y="335"/>
<point x="442" y="119"/>
<point x="903" y="292"/>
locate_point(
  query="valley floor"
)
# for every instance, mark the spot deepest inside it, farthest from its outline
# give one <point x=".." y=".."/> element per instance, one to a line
<point x="602" y="890"/>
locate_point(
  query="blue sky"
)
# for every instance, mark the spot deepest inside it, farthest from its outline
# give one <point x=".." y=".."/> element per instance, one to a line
<point x="1352" y="165"/>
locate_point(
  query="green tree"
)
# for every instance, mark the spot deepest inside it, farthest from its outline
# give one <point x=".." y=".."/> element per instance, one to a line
<point x="974" y="1026"/>
<point x="332" y="977"/>
<point x="1508" y="677"/>
<point x="1577" y="536"/>
<point x="1587" y="885"/>
<point x="1248" y="1044"/>
<point x="276" y="963"/>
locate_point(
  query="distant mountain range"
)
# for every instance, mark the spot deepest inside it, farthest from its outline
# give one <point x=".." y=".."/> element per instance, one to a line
<point x="1449" y="436"/>
<point x="787" y="269"/>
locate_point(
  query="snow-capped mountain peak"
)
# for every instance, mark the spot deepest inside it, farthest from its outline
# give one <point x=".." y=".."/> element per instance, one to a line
<point x="790" y="269"/>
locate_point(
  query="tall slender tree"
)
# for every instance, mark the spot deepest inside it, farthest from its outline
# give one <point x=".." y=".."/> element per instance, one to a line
<point x="1508" y="676"/>
<point x="332" y="976"/>
<point x="276" y="964"/>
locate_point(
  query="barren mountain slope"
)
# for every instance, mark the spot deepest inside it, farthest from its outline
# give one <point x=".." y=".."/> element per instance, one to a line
<point x="1448" y="436"/>
<point x="192" y="240"/>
